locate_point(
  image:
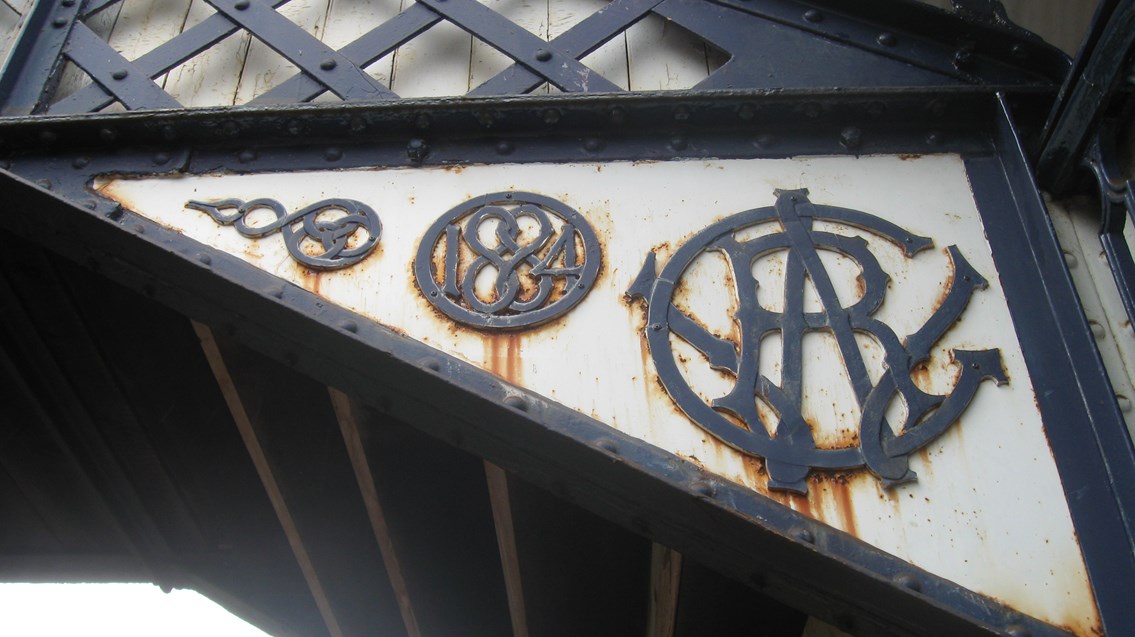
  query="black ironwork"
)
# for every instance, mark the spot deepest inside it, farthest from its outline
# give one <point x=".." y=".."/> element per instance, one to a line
<point x="853" y="51"/>
<point x="344" y="229"/>
<point x="789" y="450"/>
<point x="538" y="273"/>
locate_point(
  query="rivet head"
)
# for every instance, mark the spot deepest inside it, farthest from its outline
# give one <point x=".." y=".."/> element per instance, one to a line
<point x="59" y="23"/>
<point x="240" y="5"/>
<point x="417" y="150"/>
<point x="593" y="144"/>
<point x="422" y="121"/>
<point x="804" y="534"/>
<point x="333" y="154"/>
<point x="1070" y="260"/>
<point x="678" y="142"/>
<point x="703" y="488"/>
<point x="886" y="39"/>
<point x="161" y="159"/>
<point x="80" y="162"/>
<point x="1019" y="51"/>
<point x="851" y="137"/>
<point x="169" y="133"/>
<point x="505" y="148"/>
<point x="516" y="402"/>
<point x="246" y="156"/>
<point x="108" y="135"/>
<point x="543" y="55"/>
<point x="746" y="111"/>
<point x="204" y="258"/>
<point x="276" y="292"/>
<point x="934" y="139"/>
<point x="349" y="325"/>
<point x="963" y="58"/>
<point x="811" y="15"/>
<point x="1098" y="332"/>
<point x="551" y="116"/>
<point x="657" y="327"/>
<point x="90" y="204"/>
<point x="608" y="445"/>
<point x="1017" y="630"/>
<point x="328" y="64"/>
<point x="44" y="183"/>
<point x="1124" y="403"/>
<point x="120" y="74"/>
<point x="906" y="580"/>
<point x="68" y="3"/>
<point x="47" y="136"/>
<point x="681" y="113"/>
<point x="811" y="110"/>
<point x="618" y="116"/>
<point x="432" y="364"/>
<point x="766" y="140"/>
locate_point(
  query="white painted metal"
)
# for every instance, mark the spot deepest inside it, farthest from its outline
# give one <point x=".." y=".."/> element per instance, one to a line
<point x="12" y="14"/>
<point x="1077" y="226"/>
<point x="987" y="510"/>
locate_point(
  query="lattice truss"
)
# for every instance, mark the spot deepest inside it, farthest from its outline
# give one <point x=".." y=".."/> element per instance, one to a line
<point x="152" y="54"/>
<point x="169" y="54"/>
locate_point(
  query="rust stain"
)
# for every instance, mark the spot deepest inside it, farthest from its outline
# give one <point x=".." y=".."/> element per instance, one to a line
<point x="503" y="356"/>
<point x="312" y="280"/>
<point x="921" y="376"/>
<point x="844" y="507"/>
<point x="909" y="156"/>
<point x="455" y="169"/>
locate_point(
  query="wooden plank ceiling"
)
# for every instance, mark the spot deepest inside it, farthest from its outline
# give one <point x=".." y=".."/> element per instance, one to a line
<point x="137" y="446"/>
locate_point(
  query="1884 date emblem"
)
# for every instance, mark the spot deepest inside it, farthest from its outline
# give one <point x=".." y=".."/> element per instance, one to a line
<point x="788" y="445"/>
<point x="507" y="260"/>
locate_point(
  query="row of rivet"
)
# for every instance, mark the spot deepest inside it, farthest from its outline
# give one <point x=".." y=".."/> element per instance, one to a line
<point x="617" y="116"/>
<point x="418" y="149"/>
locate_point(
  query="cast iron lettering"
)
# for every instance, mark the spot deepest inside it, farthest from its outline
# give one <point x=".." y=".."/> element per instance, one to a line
<point x="540" y="256"/>
<point x="790" y="451"/>
<point x="330" y="225"/>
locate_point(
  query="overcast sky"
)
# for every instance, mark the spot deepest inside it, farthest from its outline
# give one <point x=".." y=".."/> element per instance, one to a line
<point x="113" y="610"/>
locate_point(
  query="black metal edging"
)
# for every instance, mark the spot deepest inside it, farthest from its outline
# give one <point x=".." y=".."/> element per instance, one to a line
<point x="1085" y="429"/>
<point x="750" y="537"/>
<point x="753" y="123"/>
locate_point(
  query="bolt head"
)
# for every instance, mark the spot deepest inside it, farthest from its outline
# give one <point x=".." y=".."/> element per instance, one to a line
<point x="543" y="55"/>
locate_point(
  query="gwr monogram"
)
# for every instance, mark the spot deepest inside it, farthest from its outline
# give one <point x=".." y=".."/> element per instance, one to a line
<point x="790" y="451"/>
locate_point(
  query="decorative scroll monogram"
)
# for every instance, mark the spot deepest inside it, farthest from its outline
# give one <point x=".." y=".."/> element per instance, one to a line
<point x="341" y="231"/>
<point x="790" y="450"/>
<point x="507" y="260"/>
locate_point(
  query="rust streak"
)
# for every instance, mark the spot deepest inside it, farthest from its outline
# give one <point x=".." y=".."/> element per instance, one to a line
<point x="843" y="504"/>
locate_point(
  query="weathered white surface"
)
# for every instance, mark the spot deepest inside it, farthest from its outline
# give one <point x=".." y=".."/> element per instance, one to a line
<point x="12" y="14"/>
<point x="987" y="511"/>
<point x="1077" y="226"/>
